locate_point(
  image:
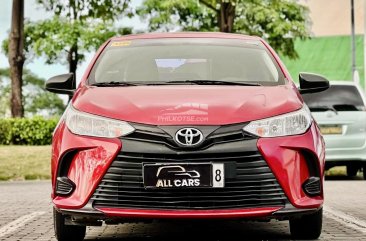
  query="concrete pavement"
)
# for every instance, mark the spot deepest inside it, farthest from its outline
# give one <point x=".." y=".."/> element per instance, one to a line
<point x="26" y="214"/>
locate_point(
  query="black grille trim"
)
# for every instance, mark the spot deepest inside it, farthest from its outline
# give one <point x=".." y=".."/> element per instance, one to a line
<point x="64" y="186"/>
<point x="213" y="135"/>
<point x="252" y="185"/>
<point x="312" y="186"/>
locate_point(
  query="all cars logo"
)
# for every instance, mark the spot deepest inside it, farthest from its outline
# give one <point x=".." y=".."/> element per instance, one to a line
<point x="177" y="176"/>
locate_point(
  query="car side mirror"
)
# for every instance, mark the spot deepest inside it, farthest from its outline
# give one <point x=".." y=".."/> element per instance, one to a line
<point x="312" y="83"/>
<point x="62" y="84"/>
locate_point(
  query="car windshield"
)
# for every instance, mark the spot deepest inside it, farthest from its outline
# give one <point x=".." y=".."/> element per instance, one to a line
<point x="186" y="61"/>
<point x="336" y="98"/>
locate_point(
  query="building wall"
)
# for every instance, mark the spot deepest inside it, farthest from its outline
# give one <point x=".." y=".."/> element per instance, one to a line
<point x="333" y="17"/>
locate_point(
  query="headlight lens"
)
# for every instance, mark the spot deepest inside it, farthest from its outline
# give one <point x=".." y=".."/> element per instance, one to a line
<point x="86" y="124"/>
<point x="294" y="123"/>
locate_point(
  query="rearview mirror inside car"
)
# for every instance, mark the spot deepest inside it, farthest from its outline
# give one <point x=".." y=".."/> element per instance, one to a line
<point x="312" y="83"/>
<point x="62" y="84"/>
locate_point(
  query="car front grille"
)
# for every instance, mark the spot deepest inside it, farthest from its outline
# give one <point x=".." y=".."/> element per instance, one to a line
<point x="249" y="182"/>
<point x="163" y="135"/>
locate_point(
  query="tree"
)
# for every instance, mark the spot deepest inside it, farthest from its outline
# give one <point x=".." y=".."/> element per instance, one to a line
<point x="279" y="22"/>
<point x="16" y="57"/>
<point x="37" y="101"/>
<point x="44" y="38"/>
<point x="69" y="45"/>
<point x="78" y="26"/>
<point x="4" y="92"/>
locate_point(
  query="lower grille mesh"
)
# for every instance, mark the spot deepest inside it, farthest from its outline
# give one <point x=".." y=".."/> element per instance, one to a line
<point x="251" y="185"/>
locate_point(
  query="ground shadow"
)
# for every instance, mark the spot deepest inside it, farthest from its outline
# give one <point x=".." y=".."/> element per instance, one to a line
<point x="343" y="178"/>
<point x="196" y="231"/>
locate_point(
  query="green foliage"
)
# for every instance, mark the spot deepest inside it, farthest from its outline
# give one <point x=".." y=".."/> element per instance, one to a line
<point x="37" y="101"/>
<point x="189" y="15"/>
<point x="4" y="92"/>
<point x="44" y="103"/>
<point x="279" y="22"/>
<point x="329" y="56"/>
<point x="27" y="131"/>
<point x="27" y="42"/>
<point x="45" y="38"/>
<point x="5" y="131"/>
<point x="5" y="46"/>
<point x="87" y="9"/>
<point x="77" y="27"/>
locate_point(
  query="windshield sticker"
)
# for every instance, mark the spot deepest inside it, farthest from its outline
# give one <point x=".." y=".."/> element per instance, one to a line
<point x="120" y="43"/>
<point x="176" y="63"/>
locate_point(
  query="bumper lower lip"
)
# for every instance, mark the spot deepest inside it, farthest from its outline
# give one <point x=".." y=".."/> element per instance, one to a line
<point x="257" y="213"/>
<point x="186" y="214"/>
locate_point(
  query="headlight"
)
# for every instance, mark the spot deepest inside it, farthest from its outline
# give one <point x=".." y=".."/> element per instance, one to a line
<point x="85" y="124"/>
<point x="293" y="123"/>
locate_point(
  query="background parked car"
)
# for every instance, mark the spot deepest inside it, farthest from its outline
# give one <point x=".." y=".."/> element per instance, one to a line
<point x="341" y="114"/>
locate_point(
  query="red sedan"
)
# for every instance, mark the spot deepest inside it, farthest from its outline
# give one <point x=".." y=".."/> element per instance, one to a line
<point x="186" y="126"/>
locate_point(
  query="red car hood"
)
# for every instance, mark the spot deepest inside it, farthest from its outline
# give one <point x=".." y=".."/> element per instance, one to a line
<point x="187" y="104"/>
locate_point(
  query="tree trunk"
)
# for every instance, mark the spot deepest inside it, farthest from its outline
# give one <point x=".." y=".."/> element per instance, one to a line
<point x="73" y="59"/>
<point x="16" y="58"/>
<point x="226" y="16"/>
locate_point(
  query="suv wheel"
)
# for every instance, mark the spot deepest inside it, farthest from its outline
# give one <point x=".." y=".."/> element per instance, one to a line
<point x="352" y="170"/>
<point x="66" y="232"/>
<point x="308" y="226"/>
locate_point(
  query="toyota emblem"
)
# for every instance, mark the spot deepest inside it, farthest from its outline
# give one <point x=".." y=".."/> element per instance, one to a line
<point x="189" y="136"/>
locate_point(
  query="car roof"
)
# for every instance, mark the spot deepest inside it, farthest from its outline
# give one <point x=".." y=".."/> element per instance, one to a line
<point x="339" y="82"/>
<point x="350" y="83"/>
<point x="186" y="35"/>
<point x="347" y="83"/>
<point x="343" y="82"/>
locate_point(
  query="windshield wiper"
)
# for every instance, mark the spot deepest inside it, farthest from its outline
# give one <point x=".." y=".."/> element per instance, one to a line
<point x="212" y="82"/>
<point x="322" y="108"/>
<point x="115" y="83"/>
<point x="195" y="82"/>
<point x="346" y="107"/>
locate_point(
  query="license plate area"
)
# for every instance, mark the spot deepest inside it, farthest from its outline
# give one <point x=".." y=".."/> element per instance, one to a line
<point x="183" y="175"/>
<point x="331" y="129"/>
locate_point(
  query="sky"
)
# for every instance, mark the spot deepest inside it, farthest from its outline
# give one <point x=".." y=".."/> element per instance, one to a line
<point x="34" y="12"/>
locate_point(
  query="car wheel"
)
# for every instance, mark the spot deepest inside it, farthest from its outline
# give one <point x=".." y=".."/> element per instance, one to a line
<point x="66" y="232"/>
<point x="364" y="171"/>
<point x="352" y="170"/>
<point x="308" y="226"/>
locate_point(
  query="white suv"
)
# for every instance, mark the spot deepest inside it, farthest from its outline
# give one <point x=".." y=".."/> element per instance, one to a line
<point x="341" y="114"/>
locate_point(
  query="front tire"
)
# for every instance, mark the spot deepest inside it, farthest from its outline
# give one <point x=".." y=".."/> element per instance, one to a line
<point x="364" y="171"/>
<point x="67" y="232"/>
<point x="308" y="226"/>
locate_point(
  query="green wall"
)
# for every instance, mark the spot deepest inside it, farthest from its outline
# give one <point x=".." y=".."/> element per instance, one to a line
<point x="328" y="56"/>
